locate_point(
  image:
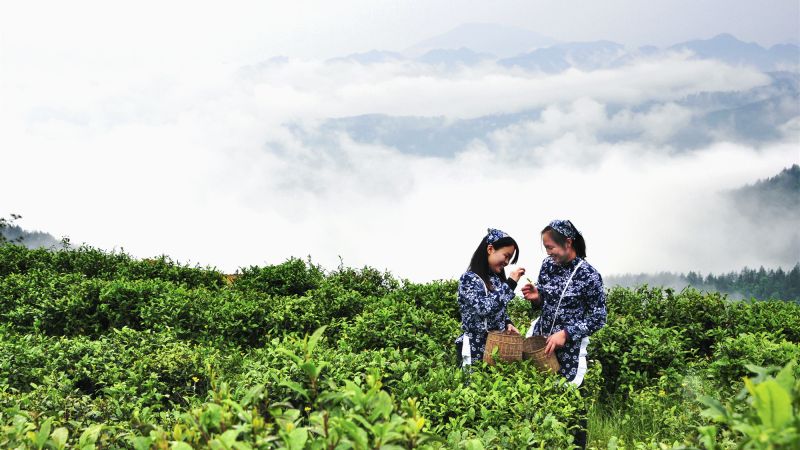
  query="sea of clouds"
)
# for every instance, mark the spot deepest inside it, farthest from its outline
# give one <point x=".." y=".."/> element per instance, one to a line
<point x="402" y="165"/>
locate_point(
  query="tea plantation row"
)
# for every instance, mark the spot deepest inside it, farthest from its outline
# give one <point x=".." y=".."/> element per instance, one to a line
<point x="100" y="350"/>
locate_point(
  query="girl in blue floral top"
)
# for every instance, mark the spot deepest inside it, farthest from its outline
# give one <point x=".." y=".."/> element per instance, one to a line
<point x="484" y="291"/>
<point x="571" y="295"/>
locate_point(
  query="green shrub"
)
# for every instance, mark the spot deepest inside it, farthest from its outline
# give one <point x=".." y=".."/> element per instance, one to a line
<point x="26" y="298"/>
<point x="635" y="353"/>
<point x="440" y="296"/>
<point x="781" y="319"/>
<point x="123" y="353"/>
<point x="367" y="281"/>
<point x="768" y="417"/>
<point x="400" y="325"/>
<point x="133" y="369"/>
<point x="729" y="363"/>
<point x="292" y="277"/>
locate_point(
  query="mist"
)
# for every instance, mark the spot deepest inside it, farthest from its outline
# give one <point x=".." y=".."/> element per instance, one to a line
<point x="402" y="165"/>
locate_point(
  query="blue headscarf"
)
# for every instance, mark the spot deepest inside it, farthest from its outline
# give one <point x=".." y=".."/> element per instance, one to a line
<point x="493" y="235"/>
<point x="565" y="228"/>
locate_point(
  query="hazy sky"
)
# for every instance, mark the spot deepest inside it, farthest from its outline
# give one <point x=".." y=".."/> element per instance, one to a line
<point x="157" y="32"/>
<point x="132" y="125"/>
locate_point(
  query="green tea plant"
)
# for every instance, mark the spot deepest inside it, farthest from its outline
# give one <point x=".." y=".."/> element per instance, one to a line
<point x="766" y="415"/>
<point x="102" y="350"/>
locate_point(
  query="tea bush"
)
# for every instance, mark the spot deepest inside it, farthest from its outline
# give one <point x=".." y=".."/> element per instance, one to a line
<point x="134" y="368"/>
<point x="780" y="319"/>
<point x="734" y="354"/>
<point x="634" y="354"/>
<point x="101" y="350"/>
<point x="367" y="281"/>
<point x="765" y="416"/>
<point x="437" y="296"/>
<point x="292" y="277"/>
<point x="400" y="325"/>
<point x="95" y="263"/>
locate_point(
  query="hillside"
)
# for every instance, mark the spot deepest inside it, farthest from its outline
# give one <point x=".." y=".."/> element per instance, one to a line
<point x="101" y="350"/>
<point x="776" y="195"/>
<point x="30" y="239"/>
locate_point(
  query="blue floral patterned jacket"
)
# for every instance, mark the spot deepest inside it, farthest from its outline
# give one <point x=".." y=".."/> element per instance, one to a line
<point x="482" y="309"/>
<point x="582" y="310"/>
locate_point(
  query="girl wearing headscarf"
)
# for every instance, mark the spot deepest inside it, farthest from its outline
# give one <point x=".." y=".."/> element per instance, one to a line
<point x="571" y="295"/>
<point x="484" y="291"/>
<point x="573" y="302"/>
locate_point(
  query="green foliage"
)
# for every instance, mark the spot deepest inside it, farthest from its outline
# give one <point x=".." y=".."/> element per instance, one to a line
<point x="95" y="263"/>
<point x="100" y="350"/>
<point x="437" y="296"/>
<point x="635" y="353"/>
<point x="293" y="277"/>
<point x="388" y="324"/>
<point x="780" y="319"/>
<point x="366" y="281"/>
<point x="734" y="354"/>
<point x="765" y="415"/>
<point x="519" y="310"/>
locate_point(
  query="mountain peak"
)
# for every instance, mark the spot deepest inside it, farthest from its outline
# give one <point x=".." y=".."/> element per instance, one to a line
<point x="725" y="37"/>
<point x="370" y="57"/>
<point x="489" y="38"/>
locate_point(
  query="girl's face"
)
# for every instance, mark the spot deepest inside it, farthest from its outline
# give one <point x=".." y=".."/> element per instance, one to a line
<point x="560" y="253"/>
<point x="500" y="257"/>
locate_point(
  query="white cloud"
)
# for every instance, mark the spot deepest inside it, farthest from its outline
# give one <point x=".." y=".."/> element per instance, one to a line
<point x="206" y="167"/>
<point x="303" y="89"/>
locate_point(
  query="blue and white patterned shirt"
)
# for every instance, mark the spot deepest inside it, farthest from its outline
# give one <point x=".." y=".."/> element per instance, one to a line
<point x="582" y="310"/>
<point x="482" y="310"/>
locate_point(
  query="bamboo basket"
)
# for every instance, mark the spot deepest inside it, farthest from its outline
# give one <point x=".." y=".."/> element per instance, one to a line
<point x="509" y="347"/>
<point x="533" y="349"/>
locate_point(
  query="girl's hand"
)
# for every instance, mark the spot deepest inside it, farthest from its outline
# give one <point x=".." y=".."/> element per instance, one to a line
<point x="555" y="341"/>
<point x="530" y="293"/>
<point x="510" y="328"/>
<point x="517" y="273"/>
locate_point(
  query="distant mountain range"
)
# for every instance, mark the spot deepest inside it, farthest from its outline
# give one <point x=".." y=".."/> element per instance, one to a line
<point x="557" y="58"/>
<point x="727" y="48"/>
<point x="498" y="40"/>
<point x="605" y="54"/>
<point x="471" y="44"/>
<point x="753" y="116"/>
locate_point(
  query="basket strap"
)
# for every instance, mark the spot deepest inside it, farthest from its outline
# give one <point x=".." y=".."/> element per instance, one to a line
<point x="564" y="292"/>
<point x="486" y="291"/>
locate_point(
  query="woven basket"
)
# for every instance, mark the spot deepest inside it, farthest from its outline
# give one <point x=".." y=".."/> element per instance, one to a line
<point x="533" y="349"/>
<point x="509" y="347"/>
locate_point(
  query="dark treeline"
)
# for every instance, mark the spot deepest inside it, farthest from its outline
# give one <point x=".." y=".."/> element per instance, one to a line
<point x="13" y="233"/>
<point x="30" y="239"/>
<point x="779" y="194"/>
<point x="761" y="284"/>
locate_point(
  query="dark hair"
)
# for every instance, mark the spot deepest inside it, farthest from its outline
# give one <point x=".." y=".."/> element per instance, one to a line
<point x="578" y="243"/>
<point x="480" y="259"/>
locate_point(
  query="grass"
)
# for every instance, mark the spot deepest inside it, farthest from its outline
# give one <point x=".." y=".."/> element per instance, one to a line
<point x="643" y="418"/>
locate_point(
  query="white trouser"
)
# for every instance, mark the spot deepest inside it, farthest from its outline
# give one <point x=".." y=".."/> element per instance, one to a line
<point x="466" y="354"/>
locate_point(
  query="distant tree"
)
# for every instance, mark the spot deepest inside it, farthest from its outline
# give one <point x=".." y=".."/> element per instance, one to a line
<point x="793" y="282"/>
<point x="762" y="284"/>
<point x="6" y="223"/>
